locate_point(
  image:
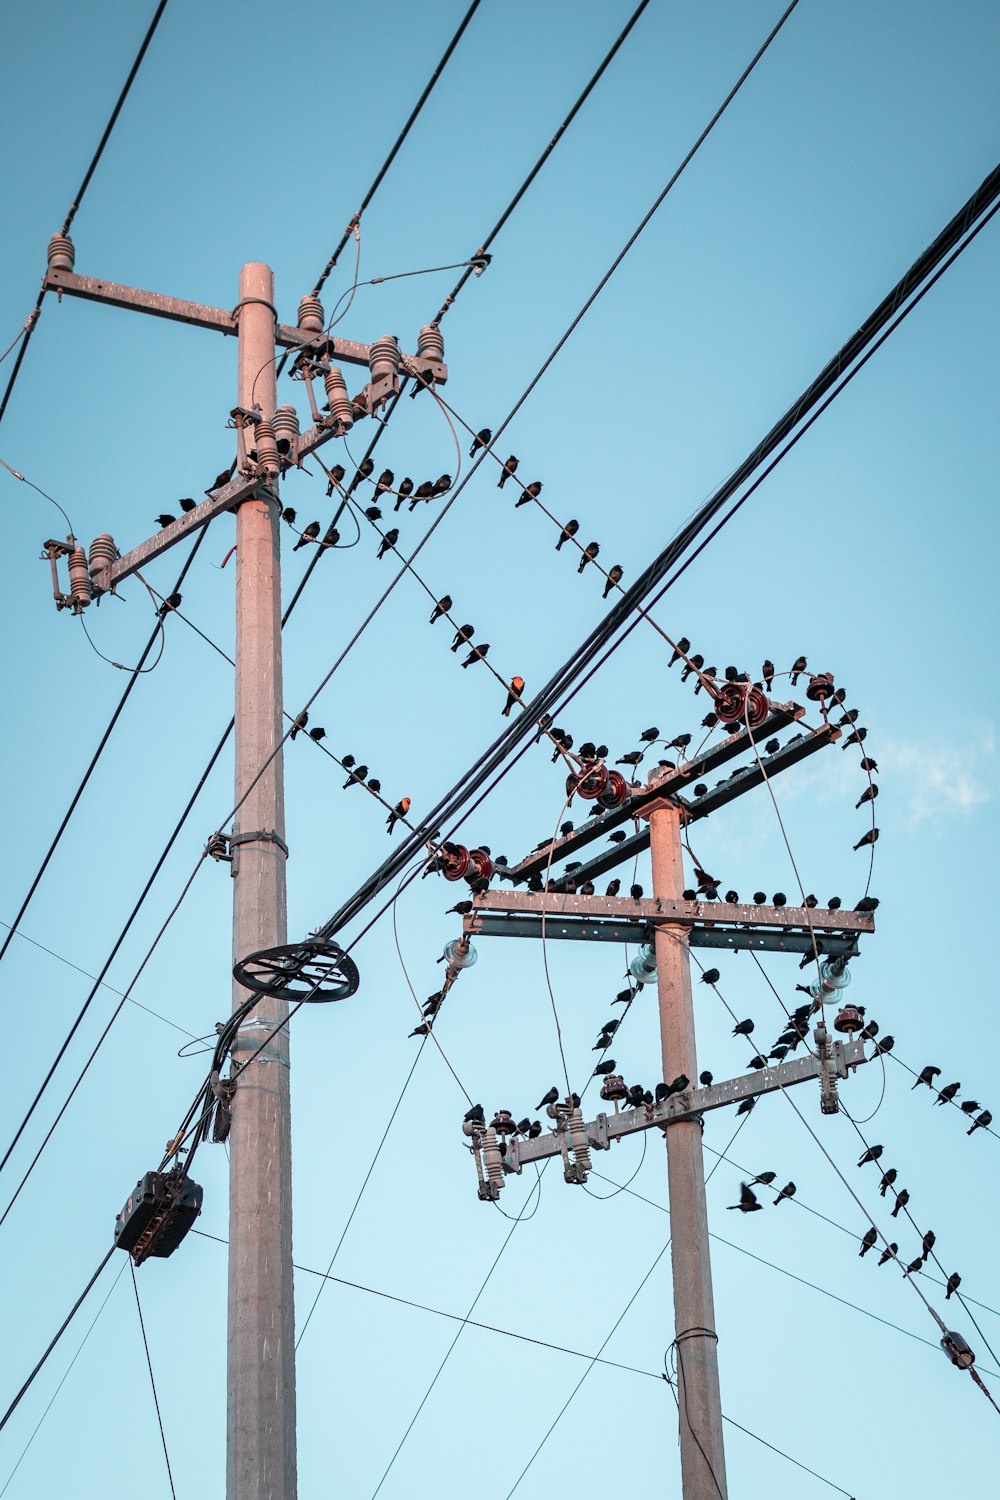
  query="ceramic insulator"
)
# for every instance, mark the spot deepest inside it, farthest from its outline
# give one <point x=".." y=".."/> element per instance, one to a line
<point x="79" y="577"/>
<point x="341" y="410"/>
<point x="61" y="253"/>
<point x="311" y="315"/>
<point x="286" y="429"/>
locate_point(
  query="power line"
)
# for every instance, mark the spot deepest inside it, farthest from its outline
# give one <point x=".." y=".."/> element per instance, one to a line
<point x="32" y="321"/>
<point x="152" y="1379"/>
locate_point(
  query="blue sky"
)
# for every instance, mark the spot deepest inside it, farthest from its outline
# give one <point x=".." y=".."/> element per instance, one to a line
<point x="253" y="134"/>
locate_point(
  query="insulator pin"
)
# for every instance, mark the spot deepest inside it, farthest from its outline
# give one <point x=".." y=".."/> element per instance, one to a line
<point x="384" y="358"/>
<point x="286" y="430"/>
<point x="338" y="401"/>
<point x="103" y="554"/>
<point x="62" y="255"/>
<point x="267" y="448"/>
<point x="79" y="579"/>
<point x="430" y="344"/>
<point x="311" y="315"/>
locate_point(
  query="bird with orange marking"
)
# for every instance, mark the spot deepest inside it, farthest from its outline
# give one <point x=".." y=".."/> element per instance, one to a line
<point x="399" y="811"/>
<point x="513" y="695"/>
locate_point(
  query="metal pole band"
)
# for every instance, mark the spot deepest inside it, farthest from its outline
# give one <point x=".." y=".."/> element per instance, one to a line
<point x="261" y="302"/>
<point x="260" y="836"/>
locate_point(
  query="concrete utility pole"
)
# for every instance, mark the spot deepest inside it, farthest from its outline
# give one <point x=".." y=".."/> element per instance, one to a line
<point x="261" y="1351"/>
<point x="703" y="1462"/>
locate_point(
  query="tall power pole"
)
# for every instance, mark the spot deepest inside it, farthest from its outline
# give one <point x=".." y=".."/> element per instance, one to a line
<point x="703" y="1463"/>
<point x="261" y="1348"/>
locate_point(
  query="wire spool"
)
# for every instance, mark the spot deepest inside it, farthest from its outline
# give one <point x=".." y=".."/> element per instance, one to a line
<point x="267" y="448"/>
<point x="453" y="861"/>
<point x="62" y="254"/>
<point x="103" y="554"/>
<point x="384" y="358"/>
<point x="79" y="579"/>
<point x="315" y="972"/>
<point x="588" y="783"/>
<point x="430" y="344"/>
<point x="616" y="792"/>
<point x="311" y="315"/>
<point x="338" y="401"/>
<point x="286" y="430"/>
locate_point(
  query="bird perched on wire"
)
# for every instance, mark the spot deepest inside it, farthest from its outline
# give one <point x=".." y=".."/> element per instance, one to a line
<point x="885" y="1045"/>
<point x="914" y="1266"/>
<point x="947" y="1094"/>
<point x="871" y="837"/>
<point x="463" y="635"/>
<point x="927" y="1244"/>
<point x="300" y="722"/>
<point x="869" y="765"/>
<point x="223" y="478"/>
<point x="513" y="695"/>
<point x="710" y="976"/>
<point x="310" y="534"/>
<point x="902" y="1199"/>
<point x="374" y="785"/>
<point x="856" y="738"/>
<point x="682" y="647"/>
<point x="384" y="483"/>
<point x="478" y="653"/>
<point x="482" y="439"/>
<point x="373" y="514"/>
<point x="743" y="1028"/>
<point x="441" y="485"/>
<point x="889" y="1253"/>
<point x="981" y="1122"/>
<point x="888" y="1178"/>
<point x="403" y="493"/>
<point x="868" y="1240"/>
<point x="788" y="1191"/>
<point x="614" y="579"/>
<point x="399" y="811"/>
<point x="927" y="1075"/>
<point x="331" y="537"/>
<point x="767" y="675"/>
<point x="317" y="734"/>
<point x="509" y="469"/>
<point x="748" y="1200"/>
<point x="529" y="492"/>
<point x="968" y="1106"/>
<point x="871" y="1154"/>
<point x="355" y="777"/>
<point x="442" y="607"/>
<point x="334" y="476"/>
<point x="567" y="533"/>
<point x="288" y="514"/>
<point x="693" y="664"/>
<point x="798" y="666"/>
<point x="423" y="491"/>
<point x="952" y="1285"/>
<point x="630" y="758"/>
<point x="365" y="469"/>
<point x="388" y="542"/>
<point x="170" y="603"/>
<point x="432" y="1004"/>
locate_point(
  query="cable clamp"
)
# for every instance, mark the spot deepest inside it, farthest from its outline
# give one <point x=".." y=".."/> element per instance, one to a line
<point x="257" y="836"/>
<point x="260" y="301"/>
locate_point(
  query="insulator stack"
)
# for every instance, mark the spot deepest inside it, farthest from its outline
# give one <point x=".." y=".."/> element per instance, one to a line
<point x="383" y="361"/>
<point x="267" y="448"/>
<point x="589" y="783"/>
<point x="820" y="687"/>
<point x="493" y="1158"/>
<point x="62" y="255"/>
<point x="311" y="315"/>
<point x="616" y="793"/>
<point x="834" y="975"/>
<point x="430" y="344"/>
<point x="849" y="1020"/>
<point x="580" y="1143"/>
<point x="79" y="579"/>
<point x="737" y="701"/>
<point x="103" y="554"/>
<point x="643" y="966"/>
<point x="460" y="954"/>
<point x="286" y="430"/>
<point x="338" y="401"/>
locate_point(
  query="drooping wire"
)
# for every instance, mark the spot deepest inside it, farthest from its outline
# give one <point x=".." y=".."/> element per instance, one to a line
<point x="152" y="1379"/>
<point x="39" y="491"/>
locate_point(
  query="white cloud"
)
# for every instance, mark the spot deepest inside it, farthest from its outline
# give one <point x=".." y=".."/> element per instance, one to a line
<point x="939" y="779"/>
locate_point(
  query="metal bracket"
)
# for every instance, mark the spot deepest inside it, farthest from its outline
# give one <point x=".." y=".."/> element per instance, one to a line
<point x="258" y="836"/>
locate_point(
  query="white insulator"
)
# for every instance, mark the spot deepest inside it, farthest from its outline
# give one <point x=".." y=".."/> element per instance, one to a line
<point x="286" y="430"/>
<point x="311" y="315"/>
<point x="61" y="253"/>
<point x="579" y="1140"/>
<point x="492" y="1157"/>
<point x="267" y="448"/>
<point x="79" y="578"/>
<point x="339" y="402"/>
<point x="103" y="554"/>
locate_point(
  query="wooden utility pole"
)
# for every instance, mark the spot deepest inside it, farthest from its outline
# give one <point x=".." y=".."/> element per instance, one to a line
<point x="261" y="1351"/>
<point x="703" y="1463"/>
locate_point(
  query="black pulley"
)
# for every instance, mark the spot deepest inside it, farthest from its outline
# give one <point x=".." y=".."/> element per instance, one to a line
<point x="314" y="971"/>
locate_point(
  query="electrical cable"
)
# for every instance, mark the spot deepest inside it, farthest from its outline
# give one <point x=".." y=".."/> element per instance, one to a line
<point x="32" y="321"/>
<point x="152" y="1381"/>
<point x="39" y="491"/>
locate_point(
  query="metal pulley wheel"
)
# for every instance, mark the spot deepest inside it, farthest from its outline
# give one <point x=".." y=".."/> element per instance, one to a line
<point x="315" y="972"/>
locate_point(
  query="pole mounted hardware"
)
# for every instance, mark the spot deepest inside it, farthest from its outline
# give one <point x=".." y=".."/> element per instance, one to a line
<point x="157" y="1215"/>
<point x="314" y="971"/>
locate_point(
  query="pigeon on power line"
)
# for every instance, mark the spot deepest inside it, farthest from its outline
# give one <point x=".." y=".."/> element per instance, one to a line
<point x="442" y="607"/>
<point x="482" y="439"/>
<point x="748" y="1200"/>
<point x="788" y="1191"/>
<point x="889" y="1253"/>
<point x="868" y="1240"/>
<point x="509" y="469"/>
<point x="568" y="532"/>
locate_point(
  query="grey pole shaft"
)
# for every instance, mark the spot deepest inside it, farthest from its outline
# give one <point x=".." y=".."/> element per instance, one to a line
<point x="703" y="1464"/>
<point x="260" y="1450"/>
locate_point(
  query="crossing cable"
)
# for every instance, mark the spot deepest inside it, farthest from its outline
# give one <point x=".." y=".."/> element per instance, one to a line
<point x="74" y="801"/>
<point x="152" y="1380"/>
<point x="32" y="321"/>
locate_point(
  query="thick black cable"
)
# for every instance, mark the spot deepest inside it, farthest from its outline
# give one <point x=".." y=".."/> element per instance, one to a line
<point x="32" y="322"/>
<point x="102" y="743"/>
<point x="152" y="1378"/>
<point x="539" y="164"/>
<point x="54" y="1341"/>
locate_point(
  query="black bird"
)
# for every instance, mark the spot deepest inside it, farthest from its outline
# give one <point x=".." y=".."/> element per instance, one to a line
<point x="631" y="758"/>
<point x="187" y="504"/>
<point x="981" y="1122"/>
<point x="317" y="734"/>
<point x="927" y="1075"/>
<point x="461" y="909"/>
<point x="747" y="1105"/>
<point x="388" y="542"/>
<point x="679" y="742"/>
<point x="680" y="1083"/>
<point x="710" y="721"/>
<point x="534" y="1130"/>
<point x="365" y="468"/>
<point x="442" y="484"/>
<point x="549" y="1098"/>
<point x="478" y="653"/>
<point x="757" y="1063"/>
<point x="423" y="491"/>
<point x="743" y="1028"/>
<point x="767" y="675"/>
<point x="851" y="717"/>
<point x="374" y="785"/>
<point x="660" y="1092"/>
<point x="947" y="1094"/>
<point x="568" y="532"/>
<point x="463" y="635"/>
<point x="523" y="1126"/>
<point x="772" y="747"/>
<point x="766" y="1178"/>
<point x="968" y="1106"/>
<point x="618" y="837"/>
<point x="681" y="649"/>
<point x="624" y="997"/>
<point x="927" y="1244"/>
<point x="798" y="665"/>
<point x="608" y="1066"/>
<point x="759" y="898"/>
<point x="614" y="886"/>
<point x="868" y="1240"/>
<point x="509" y="468"/>
<point x="373" y="514"/>
<point x="165" y="520"/>
<point x="705" y="1079"/>
<point x="710" y="976"/>
<point x="301" y="720"/>
<point x="476" y="1114"/>
<point x="610" y="1027"/>
<point x="310" y="534"/>
<point x="834" y="903"/>
<point x="954" y="1282"/>
<point x="888" y="1178"/>
<point x="648" y="736"/>
<point x="889" y="1253"/>
<point x="614" y="579"/>
<point x="748" y="1200"/>
<point x="335" y="475"/>
<point x="403" y="493"/>
<point x="693" y="664"/>
<point x="433" y="1004"/>
<point x="871" y="1154"/>
<point x="529" y="492"/>
<point x="902" y="1199"/>
<point x="589" y="553"/>
<point x="778" y="1052"/>
<point x="885" y="1045"/>
<point x="866" y="904"/>
<point x="482" y="439"/>
<point x="869" y="765"/>
<point x="331" y="538"/>
<point x="221" y="479"/>
<point x="355" y="778"/>
<point x="385" y="482"/>
<point x="856" y="738"/>
<point x="422" y="1029"/>
<point x="870" y="1031"/>
<point x="288" y="514"/>
<point x="914" y="1266"/>
<point x="635" y="891"/>
<point x="347" y="761"/>
<point x="779" y="899"/>
<point x="788" y="1191"/>
<point x="442" y="607"/>
<point x="870" y="837"/>
<point x="172" y="602"/>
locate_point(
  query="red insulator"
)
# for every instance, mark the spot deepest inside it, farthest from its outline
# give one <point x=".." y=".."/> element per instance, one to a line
<point x="729" y="702"/>
<point x="820" y="686"/>
<point x="613" y="1087"/>
<point x="849" y="1020"/>
<point x="454" y="861"/>
<point x="615" y="794"/>
<point x="480" y="866"/>
<point x="757" y="707"/>
<point x="590" y="782"/>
